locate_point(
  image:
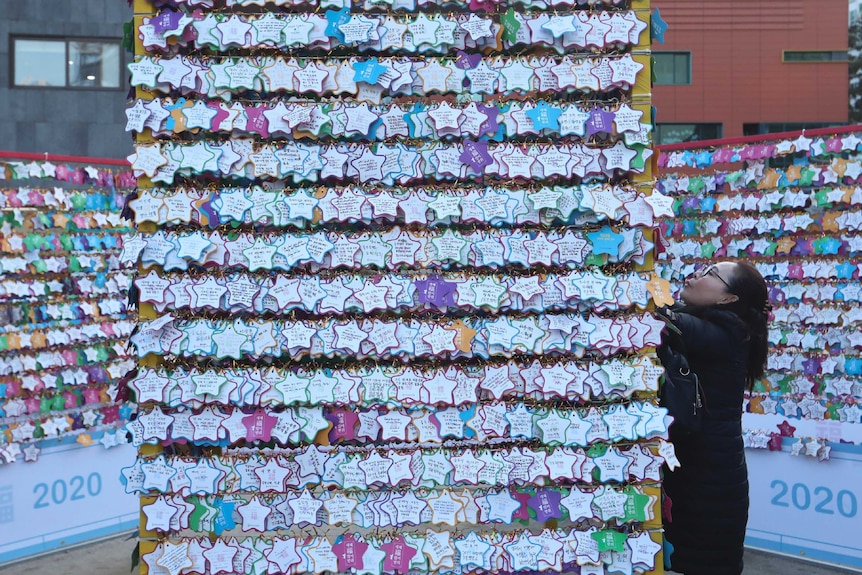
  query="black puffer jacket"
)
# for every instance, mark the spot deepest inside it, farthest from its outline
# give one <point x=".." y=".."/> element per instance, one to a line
<point x="706" y="500"/>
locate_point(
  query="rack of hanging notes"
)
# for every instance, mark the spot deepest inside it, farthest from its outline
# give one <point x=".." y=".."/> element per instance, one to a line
<point x="64" y="315"/>
<point x="394" y="275"/>
<point x="790" y="204"/>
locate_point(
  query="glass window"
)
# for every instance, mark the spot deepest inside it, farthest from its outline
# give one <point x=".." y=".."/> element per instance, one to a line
<point x="774" y="128"/>
<point x="40" y="62"/>
<point x="62" y="63"/>
<point x="672" y="68"/>
<point x="815" y="56"/>
<point x="94" y="64"/>
<point x="676" y="133"/>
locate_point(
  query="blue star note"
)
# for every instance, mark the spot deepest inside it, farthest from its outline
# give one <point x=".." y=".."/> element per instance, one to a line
<point x="170" y="122"/>
<point x="845" y="271"/>
<point x="657" y="26"/>
<point x="334" y="19"/>
<point x="545" y="116"/>
<point x="707" y="204"/>
<point x="853" y="366"/>
<point x="830" y="246"/>
<point x="368" y="71"/>
<point x="689" y="227"/>
<point x="704" y="159"/>
<point x="466" y="416"/>
<point x="125" y="412"/>
<point x="224" y="520"/>
<point x="605" y="241"/>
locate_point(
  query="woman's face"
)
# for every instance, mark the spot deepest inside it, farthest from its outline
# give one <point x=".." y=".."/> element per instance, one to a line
<point x="709" y="285"/>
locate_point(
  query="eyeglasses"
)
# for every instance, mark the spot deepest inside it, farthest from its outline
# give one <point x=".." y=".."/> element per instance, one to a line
<point x="712" y="271"/>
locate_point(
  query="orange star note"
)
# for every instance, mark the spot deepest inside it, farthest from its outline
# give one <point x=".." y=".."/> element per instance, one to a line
<point x="754" y="404"/>
<point x="794" y="173"/>
<point x="660" y="290"/>
<point x="464" y="336"/>
<point x="839" y="165"/>
<point x="829" y="222"/>
<point x="769" y="180"/>
<point x="785" y="244"/>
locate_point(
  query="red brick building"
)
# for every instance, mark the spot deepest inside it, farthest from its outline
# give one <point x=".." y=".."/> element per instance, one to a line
<point x="742" y="67"/>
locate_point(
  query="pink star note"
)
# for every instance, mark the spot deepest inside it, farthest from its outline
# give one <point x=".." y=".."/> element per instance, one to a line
<point x="398" y="555"/>
<point x="259" y="425"/>
<point x="409" y="508"/>
<point x="343" y="424"/>
<point x="625" y="70"/>
<point x="349" y="552"/>
<point x="497" y="381"/>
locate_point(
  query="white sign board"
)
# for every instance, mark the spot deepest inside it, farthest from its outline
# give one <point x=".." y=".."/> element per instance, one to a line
<point x="804" y="507"/>
<point x="71" y="495"/>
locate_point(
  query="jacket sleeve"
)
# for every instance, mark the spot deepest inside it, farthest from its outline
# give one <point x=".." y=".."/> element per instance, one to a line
<point x="704" y="337"/>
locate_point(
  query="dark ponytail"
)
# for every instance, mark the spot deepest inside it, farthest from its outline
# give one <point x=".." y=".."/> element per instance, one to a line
<point x="753" y="308"/>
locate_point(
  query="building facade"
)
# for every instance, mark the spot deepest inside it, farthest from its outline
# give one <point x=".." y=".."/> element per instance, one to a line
<point x="736" y="67"/>
<point x="63" y="82"/>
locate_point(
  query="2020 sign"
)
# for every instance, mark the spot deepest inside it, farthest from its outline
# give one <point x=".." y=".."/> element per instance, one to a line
<point x="824" y="500"/>
<point x="61" y="491"/>
<point x="71" y="495"/>
<point x="802" y="506"/>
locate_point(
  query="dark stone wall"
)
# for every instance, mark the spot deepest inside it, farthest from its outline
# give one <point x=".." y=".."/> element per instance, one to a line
<point x="81" y="122"/>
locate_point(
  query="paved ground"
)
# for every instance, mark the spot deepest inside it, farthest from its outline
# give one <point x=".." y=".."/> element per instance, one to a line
<point x="113" y="557"/>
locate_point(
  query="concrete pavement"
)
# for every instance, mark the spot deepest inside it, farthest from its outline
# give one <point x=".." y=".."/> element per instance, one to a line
<point x="113" y="557"/>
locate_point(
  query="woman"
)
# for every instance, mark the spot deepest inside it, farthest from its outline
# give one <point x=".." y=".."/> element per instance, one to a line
<point x="724" y="327"/>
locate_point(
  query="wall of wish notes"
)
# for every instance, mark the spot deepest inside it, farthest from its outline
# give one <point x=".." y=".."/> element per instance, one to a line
<point x="64" y="308"/>
<point x="395" y="272"/>
<point x="791" y="206"/>
<point x="64" y="322"/>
